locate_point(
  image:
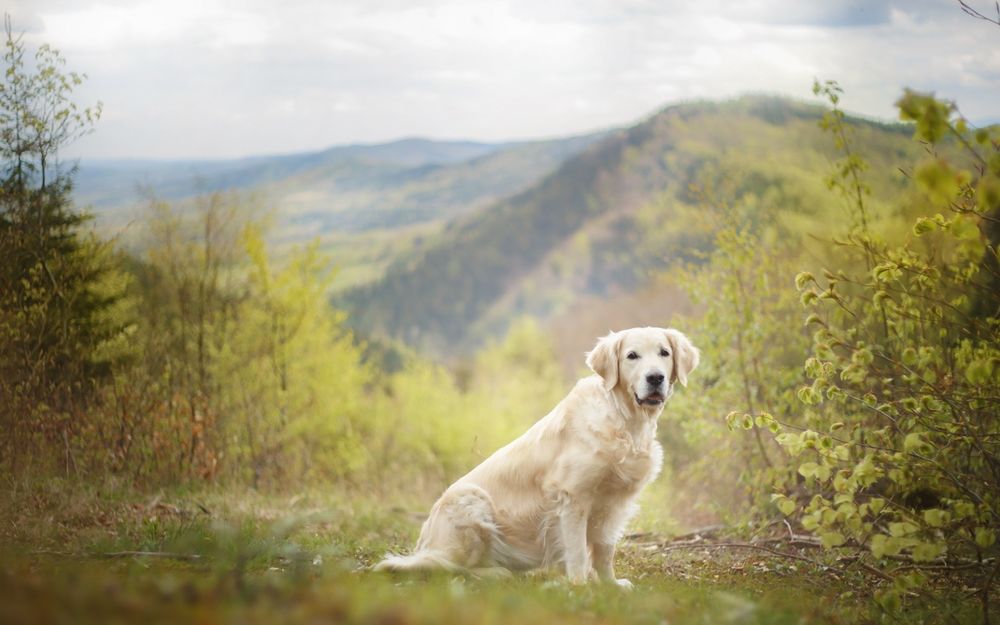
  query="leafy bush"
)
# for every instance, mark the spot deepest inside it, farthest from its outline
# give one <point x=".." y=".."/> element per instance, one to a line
<point x="901" y="453"/>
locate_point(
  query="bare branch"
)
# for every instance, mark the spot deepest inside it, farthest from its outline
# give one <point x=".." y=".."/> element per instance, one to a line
<point x="976" y="14"/>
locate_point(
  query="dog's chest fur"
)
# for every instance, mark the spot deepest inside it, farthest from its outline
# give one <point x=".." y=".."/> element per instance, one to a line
<point x="633" y="457"/>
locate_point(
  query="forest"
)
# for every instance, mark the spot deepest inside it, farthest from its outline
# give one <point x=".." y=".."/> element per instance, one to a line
<point x="200" y="423"/>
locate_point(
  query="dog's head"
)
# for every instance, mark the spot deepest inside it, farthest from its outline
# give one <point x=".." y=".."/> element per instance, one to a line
<point x="644" y="362"/>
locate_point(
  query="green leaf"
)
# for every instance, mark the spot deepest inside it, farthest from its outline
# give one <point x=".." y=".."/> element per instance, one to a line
<point x="813" y="318"/>
<point x="988" y="194"/>
<point x="923" y="226"/>
<point x="810" y="522"/>
<point x="802" y="279"/>
<point x="930" y="114"/>
<point x="926" y="551"/>
<point x="889" y="600"/>
<point x="832" y="539"/>
<point x="878" y="544"/>
<point x="979" y="371"/>
<point x="913" y="442"/>
<point x="808" y="469"/>
<point x="807" y="395"/>
<point x="936" y="517"/>
<point x="900" y="529"/>
<point x="985" y="537"/>
<point x="938" y="179"/>
<point x="876" y="504"/>
<point x="784" y="504"/>
<point x="963" y="509"/>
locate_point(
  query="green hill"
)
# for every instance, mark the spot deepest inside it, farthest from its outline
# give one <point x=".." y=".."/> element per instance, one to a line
<point x="110" y="184"/>
<point x="613" y="217"/>
<point x="352" y="188"/>
<point x="369" y="205"/>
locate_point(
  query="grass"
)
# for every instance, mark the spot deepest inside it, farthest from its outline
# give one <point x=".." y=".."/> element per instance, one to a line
<point x="302" y="559"/>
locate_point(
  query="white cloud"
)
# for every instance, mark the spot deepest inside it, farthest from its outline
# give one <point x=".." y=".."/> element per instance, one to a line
<point x="184" y="78"/>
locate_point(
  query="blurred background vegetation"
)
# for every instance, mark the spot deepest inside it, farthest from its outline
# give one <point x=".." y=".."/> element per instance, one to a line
<point x="403" y="310"/>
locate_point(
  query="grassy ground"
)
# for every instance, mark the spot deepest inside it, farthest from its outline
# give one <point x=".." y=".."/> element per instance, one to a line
<point x="68" y="557"/>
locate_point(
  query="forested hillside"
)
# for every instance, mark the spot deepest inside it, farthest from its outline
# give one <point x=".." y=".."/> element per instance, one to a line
<point x="343" y="189"/>
<point x="368" y="205"/>
<point x="611" y="219"/>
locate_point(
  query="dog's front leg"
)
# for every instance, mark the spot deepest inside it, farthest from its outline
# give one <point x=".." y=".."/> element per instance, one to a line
<point x="573" y="530"/>
<point x="604" y="564"/>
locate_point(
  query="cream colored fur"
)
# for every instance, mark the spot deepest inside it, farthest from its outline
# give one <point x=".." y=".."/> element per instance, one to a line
<point x="561" y="494"/>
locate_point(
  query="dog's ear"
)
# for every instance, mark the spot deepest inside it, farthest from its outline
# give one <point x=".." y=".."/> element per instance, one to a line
<point x="603" y="359"/>
<point x="686" y="356"/>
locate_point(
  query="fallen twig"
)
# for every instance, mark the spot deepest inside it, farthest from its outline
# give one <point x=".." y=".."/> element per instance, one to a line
<point x="756" y="546"/>
<point x="169" y="555"/>
<point x="857" y="559"/>
<point x="692" y="536"/>
<point x="149" y="554"/>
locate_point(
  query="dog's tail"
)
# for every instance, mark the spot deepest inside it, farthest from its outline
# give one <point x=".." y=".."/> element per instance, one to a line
<point x="421" y="560"/>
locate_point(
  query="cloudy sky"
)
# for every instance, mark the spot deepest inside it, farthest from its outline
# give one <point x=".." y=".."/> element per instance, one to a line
<point x="223" y="78"/>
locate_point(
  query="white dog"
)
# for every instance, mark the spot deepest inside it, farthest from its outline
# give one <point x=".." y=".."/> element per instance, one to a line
<point x="561" y="493"/>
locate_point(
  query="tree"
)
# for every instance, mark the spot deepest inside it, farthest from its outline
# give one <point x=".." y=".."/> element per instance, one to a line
<point x="38" y="116"/>
<point x="62" y="315"/>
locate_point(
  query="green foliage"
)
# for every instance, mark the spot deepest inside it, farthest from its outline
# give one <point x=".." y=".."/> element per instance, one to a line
<point x="904" y="364"/>
<point x="63" y="319"/>
<point x="749" y="325"/>
<point x="449" y="423"/>
<point x="885" y="441"/>
<point x="244" y="374"/>
<point x="247" y="373"/>
<point x="37" y="113"/>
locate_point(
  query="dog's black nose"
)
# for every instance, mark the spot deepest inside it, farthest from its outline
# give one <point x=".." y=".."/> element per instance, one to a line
<point x="654" y="379"/>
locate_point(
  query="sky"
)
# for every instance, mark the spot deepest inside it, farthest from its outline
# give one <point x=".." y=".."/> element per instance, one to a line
<point x="230" y="78"/>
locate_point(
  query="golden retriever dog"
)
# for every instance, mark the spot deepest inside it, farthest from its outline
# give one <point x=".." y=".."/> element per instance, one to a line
<point x="561" y="494"/>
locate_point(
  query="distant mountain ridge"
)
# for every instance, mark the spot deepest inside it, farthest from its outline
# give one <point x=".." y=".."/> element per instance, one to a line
<point x="368" y="205"/>
<point x="602" y="224"/>
<point x="101" y="182"/>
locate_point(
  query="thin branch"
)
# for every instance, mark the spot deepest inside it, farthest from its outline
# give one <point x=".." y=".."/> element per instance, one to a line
<point x="858" y="559"/>
<point x="976" y="14"/>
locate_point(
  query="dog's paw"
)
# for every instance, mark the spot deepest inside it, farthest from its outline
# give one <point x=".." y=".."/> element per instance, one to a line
<point x="624" y="584"/>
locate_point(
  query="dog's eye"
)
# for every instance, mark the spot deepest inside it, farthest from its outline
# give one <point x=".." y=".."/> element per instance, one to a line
<point x="664" y="353"/>
<point x="632" y="356"/>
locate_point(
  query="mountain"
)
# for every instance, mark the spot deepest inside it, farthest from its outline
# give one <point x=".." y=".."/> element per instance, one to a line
<point x="443" y="244"/>
<point x="367" y="204"/>
<point x="612" y="218"/>
<point x="112" y="183"/>
<point x="355" y="188"/>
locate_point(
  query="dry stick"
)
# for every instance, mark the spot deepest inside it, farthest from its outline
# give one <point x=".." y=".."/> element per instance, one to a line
<point x="121" y="554"/>
<point x="776" y="552"/>
<point x="986" y="593"/>
<point x="149" y="554"/>
<point x="856" y="559"/>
